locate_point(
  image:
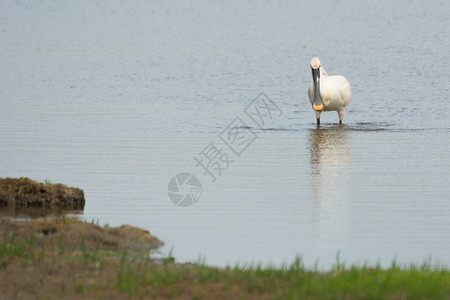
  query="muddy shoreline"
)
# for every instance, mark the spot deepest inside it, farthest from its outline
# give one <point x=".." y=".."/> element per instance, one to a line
<point x="59" y="256"/>
<point x="48" y="232"/>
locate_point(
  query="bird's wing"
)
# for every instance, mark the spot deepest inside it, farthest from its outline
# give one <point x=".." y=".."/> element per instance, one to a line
<point x="345" y="91"/>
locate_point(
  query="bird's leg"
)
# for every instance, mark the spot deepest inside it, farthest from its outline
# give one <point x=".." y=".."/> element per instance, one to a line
<point x="341" y="115"/>
<point x="318" y="117"/>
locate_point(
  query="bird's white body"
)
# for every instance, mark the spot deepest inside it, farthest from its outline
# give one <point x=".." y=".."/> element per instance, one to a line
<point x="335" y="91"/>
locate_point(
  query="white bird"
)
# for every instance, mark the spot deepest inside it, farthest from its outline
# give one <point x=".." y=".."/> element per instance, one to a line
<point x="328" y="92"/>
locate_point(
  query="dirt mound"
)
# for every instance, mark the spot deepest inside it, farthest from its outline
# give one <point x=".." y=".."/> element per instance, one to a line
<point x="24" y="192"/>
<point x="72" y="233"/>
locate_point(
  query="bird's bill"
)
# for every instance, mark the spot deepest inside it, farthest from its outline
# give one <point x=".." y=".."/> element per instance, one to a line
<point x="317" y="103"/>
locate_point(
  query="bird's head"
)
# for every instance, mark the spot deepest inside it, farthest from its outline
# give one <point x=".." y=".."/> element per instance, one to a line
<point x="315" y="63"/>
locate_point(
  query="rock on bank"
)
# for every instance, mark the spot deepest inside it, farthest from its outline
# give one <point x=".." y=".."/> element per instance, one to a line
<point x="24" y="192"/>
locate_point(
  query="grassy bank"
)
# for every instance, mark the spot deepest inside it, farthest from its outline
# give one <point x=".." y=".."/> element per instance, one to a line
<point x="31" y="267"/>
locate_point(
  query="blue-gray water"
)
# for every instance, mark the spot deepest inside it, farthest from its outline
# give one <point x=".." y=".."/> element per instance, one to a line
<point x="116" y="98"/>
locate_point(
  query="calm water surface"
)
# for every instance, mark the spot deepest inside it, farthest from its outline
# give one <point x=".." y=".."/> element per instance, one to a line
<point x="118" y="98"/>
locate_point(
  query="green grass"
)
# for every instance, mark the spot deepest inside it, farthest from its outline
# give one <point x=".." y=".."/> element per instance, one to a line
<point x="296" y="281"/>
<point x="79" y="288"/>
<point x="9" y="246"/>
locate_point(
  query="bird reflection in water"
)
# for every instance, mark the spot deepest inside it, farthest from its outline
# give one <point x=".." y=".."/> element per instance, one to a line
<point x="330" y="157"/>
